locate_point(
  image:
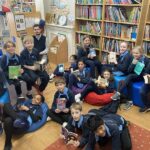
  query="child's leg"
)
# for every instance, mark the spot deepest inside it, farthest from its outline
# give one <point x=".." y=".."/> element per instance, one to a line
<point x="65" y="117"/>
<point x="91" y="64"/>
<point x="72" y="81"/>
<point x="126" y="139"/>
<point x="98" y="65"/>
<point x="44" y="80"/>
<point x="55" y="116"/>
<point x="17" y="85"/>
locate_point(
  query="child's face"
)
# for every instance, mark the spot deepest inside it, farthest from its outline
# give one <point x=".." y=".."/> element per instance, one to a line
<point x="29" y="45"/>
<point x="60" y="87"/>
<point x="36" y="100"/>
<point x="86" y="42"/>
<point x="37" y="31"/>
<point x="71" y="60"/>
<point x="101" y="131"/>
<point x="81" y="65"/>
<point x="123" y="47"/>
<point x="76" y="114"/>
<point x="106" y="75"/>
<point x="136" y="54"/>
<point x="10" y="48"/>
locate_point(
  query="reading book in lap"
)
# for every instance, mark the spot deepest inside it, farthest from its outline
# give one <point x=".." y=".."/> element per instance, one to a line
<point x="61" y="103"/>
<point x="14" y="72"/>
<point x="68" y="136"/>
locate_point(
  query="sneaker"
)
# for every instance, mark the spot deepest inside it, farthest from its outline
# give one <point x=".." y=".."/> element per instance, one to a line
<point x="51" y="76"/>
<point x="116" y="96"/>
<point x="1" y="128"/>
<point x="128" y="105"/>
<point x="77" y="97"/>
<point x="77" y="100"/>
<point x="48" y="118"/>
<point x="143" y="109"/>
<point x="147" y="110"/>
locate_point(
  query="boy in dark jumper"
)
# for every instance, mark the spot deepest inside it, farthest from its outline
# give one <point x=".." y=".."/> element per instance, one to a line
<point x="29" y="56"/>
<point x="63" y="98"/>
<point x="18" y="120"/>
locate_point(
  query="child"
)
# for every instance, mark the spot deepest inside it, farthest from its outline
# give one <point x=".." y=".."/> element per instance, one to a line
<point x="81" y="78"/>
<point x="29" y="56"/>
<point x="121" y="66"/>
<point x="145" y="93"/>
<point x="62" y="101"/>
<point x="110" y="126"/>
<point x="100" y="88"/>
<point x="8" y="60"/>
<point x="135" y="70"/>
<point x="60" y="71"/>
<point x="89" y="57"/>
<point x="77" y="123"/>
<point x="19" y="121"/>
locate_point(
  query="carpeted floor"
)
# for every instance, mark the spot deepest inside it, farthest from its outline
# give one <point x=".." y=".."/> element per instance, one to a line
<point x="140" y="141"/>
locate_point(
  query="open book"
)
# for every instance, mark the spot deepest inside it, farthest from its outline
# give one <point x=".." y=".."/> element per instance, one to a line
<point x="76" y="73"/>
<point x="112" y="57"/>
<point x="92" y="52"/>
<point x="146" y="79"/>
<point x="14" y="72"/>
<point x="68" y="136"/>
<point x="101" y="80"/>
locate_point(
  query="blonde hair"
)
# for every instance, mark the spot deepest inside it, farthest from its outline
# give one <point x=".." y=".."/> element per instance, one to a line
<point x="139" y="48"/>
<point x="8" y="42"/>
<point x="76" y="106"/>
<point x="60" y="80"/>
<point x="28" y="38"/>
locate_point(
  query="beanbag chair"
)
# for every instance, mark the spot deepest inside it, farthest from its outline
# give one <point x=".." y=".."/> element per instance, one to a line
<point x="40" y="123"/>
<point x="95" y="99"/>
<point x="5" y="98"/>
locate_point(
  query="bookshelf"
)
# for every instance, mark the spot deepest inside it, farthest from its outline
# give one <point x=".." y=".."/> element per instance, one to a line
<point x="122" y="20"/>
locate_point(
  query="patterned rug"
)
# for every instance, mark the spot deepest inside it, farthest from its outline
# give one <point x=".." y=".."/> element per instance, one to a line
<point x="140" y="141"/>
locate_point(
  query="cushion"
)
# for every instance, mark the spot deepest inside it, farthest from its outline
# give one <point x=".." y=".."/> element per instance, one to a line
<point x="95" y="99"/>
<point x="5" y="98"/>
<point x="40" y="123"/>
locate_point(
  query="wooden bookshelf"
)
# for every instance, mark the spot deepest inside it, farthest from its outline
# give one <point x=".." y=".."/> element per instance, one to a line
<point x="132" y="19"/>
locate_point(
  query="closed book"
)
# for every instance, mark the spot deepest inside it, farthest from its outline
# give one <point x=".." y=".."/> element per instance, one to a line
<point x="14" y="72"/>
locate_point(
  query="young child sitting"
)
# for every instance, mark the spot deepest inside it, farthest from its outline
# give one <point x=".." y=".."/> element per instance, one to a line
<point x="88" y="54"/>
<point x="19" y="120"/>
<point x="63" y="98"/>
<point x="29" y="57"/>
<point x="61" y="71"/>
<point x="136" y="69"/>
<point x="109" y="127"/>
<point x="102" y="86"/>
<point x="9" y="60"/>
<point x="79" y="78"/>
<point x="77" y="124"/>
<point x="145" y="92"/>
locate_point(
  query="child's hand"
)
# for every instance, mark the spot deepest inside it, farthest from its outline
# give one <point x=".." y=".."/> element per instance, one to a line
<point x="70" y="142"/>
<point x="66" y="110"/>
<point x="76" y="143"/>
<point x="134" y="61"/>
<point x="57" y="110"/>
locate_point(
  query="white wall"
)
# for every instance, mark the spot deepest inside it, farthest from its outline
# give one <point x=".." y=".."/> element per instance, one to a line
<point x="40" y="7"/>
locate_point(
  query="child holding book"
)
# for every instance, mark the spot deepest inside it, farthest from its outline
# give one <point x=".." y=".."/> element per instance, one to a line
<point x="61" y="71"/>
<point x="145" y="92"/>
<point x="103" y="85"/>
<point x="29" y="57"/>
<point x="63" y="98"/>
<point x="11" y="59"/>
<point x="88" y="54"/>
<point x="76" y="124"/>
<point x="108" y="127"/>
<point x="136" y="70"/>
<point x="80" y="78"/>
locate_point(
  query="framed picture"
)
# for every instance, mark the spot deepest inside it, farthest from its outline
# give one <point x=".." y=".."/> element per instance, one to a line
<point x="20" y="22"/>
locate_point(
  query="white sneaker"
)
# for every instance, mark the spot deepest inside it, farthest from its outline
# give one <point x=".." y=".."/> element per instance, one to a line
<point x="78" y="100"/>
<point x="77" y="97"/>
<point x="51" y="76"/>
<point x="48" y="118"/>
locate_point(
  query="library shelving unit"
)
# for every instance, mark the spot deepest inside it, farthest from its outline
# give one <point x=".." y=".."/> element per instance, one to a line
<point x="88" y="15"/>
<point x="119" y="20"/>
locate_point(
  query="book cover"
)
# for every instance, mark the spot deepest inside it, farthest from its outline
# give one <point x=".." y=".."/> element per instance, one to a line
<point x="146" y="79"/>
<point x="92" y="52"/>
<point x="61" y="103"/>
<point x="14" y="72"/>
<point x="112" y="57"/>
<point x="68" y="136"/>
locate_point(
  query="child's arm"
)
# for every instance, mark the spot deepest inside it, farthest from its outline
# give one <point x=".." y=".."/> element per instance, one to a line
<point x="132" y="65"/>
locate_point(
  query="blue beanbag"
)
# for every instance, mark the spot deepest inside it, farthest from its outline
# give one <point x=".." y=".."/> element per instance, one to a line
<point x="40" y="123"/>
<point x="5" y="98"/>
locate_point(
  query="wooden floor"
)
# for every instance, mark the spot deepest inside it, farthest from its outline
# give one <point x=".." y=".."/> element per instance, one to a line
<point x="40" y="139"/>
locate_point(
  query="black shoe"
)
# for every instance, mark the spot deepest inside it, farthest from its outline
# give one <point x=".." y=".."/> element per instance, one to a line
<point x="143" y="109"/>
<point x="8" y="147"/>
<point x="29" y="96"/>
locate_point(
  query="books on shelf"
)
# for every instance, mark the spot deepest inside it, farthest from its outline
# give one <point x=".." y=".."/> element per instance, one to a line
<point x="14" y="72"/>
<point x="123" y="1"/>
<point x="68" y="136"/>
<point x="147" y="32"/>
<point x="146" y="48"/>
<point x="89" y="2"/>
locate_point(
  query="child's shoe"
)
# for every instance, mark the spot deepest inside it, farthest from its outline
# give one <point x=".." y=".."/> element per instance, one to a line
<point x="116" y="96"/>
<point x="128" y="105"/>
<point x="142" y="109"/>
<point x="51" y="76"/>
<point x="77" y="97"/>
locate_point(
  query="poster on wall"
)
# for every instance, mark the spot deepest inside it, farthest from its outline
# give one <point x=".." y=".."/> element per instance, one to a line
<point x="20" y="22"/>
